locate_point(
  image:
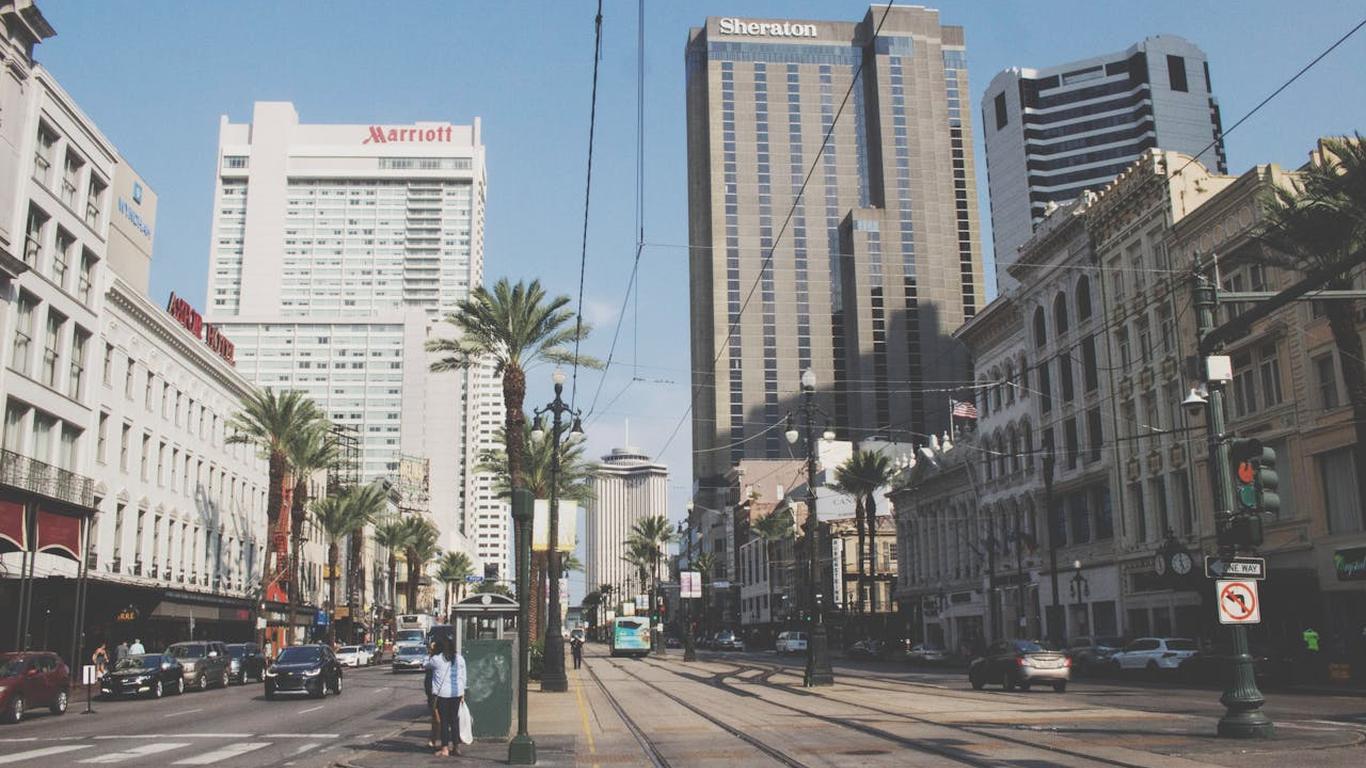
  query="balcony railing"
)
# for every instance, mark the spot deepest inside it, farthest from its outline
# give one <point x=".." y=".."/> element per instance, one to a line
<point x="44" y="479"/>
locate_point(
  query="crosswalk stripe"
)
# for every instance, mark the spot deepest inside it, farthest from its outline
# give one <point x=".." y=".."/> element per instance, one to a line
<point x="43" y="752"/>
<point x="142" y="751"/>
<point x="305" y="747"/>
<point x="225" y="753"/>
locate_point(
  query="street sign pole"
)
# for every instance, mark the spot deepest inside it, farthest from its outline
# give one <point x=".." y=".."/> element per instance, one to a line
<point x="1243" y="716"/>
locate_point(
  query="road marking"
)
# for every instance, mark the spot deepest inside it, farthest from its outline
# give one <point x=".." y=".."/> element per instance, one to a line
<point x="304" y="748"/>
<point x="142" y="751"/>
<point x="310" y="709"/>
<point x="43" y="752"/>
<point x="186" y="712"/>
<point x="583" y="714"/>
<point x="226" y="753"/>
<point x="21" y="738"/>
<point x="302" y="736"/>
<point x="175" y="736"/>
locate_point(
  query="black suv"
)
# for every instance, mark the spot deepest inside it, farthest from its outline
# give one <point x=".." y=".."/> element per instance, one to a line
<point x="310" y="669"/>
<point x="205" y="662"/>
<point x="245" y="663"/>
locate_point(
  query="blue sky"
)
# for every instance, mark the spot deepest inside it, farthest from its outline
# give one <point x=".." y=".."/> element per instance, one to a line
<point x="156" y="75"/>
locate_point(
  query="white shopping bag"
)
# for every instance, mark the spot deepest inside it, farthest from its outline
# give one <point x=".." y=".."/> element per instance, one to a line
<point x="466" y="723"/>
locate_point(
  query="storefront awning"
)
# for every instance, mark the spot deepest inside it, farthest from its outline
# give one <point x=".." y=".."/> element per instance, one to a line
<point x="13" y="532"/>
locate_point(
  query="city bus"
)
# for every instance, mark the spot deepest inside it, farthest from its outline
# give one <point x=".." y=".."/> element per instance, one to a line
<point x="631" y="636"/>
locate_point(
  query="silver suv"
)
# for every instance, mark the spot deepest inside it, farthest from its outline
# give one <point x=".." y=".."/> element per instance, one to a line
<point x="205" y="663"/>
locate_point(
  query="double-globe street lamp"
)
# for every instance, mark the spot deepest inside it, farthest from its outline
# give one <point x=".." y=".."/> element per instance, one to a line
<point x="685" y="530"/>
<point x="818" y="671"/>
<point x="553" y="676"/>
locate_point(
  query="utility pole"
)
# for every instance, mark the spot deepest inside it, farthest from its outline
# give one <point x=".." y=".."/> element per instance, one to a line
<point x="1242" y="700"/>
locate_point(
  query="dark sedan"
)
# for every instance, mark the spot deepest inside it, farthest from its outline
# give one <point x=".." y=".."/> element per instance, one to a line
<point x="245" y="663"/>
<point x="148" y="674"/>
<point x="310" y="669"/>
<point x="1020" y="664"/>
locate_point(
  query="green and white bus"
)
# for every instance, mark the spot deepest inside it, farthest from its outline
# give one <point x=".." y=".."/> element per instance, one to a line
<point x="631" y="636"/>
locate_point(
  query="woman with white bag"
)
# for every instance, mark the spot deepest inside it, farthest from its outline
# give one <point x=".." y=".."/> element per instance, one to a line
<point x="448" y="685"/>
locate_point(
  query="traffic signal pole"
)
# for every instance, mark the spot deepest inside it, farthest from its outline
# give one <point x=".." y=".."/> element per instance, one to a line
<point x="1243" y="716"/>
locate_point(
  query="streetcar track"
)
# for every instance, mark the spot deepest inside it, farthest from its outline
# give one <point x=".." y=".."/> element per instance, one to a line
<point x="887" y="735"/>
<point x="652" y="750"/>
<point x="773" y="752"/>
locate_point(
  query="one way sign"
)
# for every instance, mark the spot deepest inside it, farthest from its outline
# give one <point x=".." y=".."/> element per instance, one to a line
<point x="1235" y="567"/>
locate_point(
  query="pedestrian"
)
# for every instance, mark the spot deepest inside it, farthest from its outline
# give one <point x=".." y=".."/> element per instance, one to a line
<point x="121" y="651"/>
<point x="576" y="645"/>
<point x="448" y="686"/>
<point x="434" y="740"/>
<point x="100" y="658"/>
<point x="136" y="649"/>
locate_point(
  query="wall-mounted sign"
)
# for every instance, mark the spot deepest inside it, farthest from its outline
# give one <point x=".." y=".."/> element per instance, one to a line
<point x="126" y="615"/>
<point x="435" y="135"/>
<point x="1350" y="564"/>
<point x="189" y="317"/>
<point x="731" y="26"/>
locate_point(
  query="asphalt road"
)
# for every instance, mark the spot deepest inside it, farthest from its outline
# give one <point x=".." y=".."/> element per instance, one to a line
<point x="232" y="727"/>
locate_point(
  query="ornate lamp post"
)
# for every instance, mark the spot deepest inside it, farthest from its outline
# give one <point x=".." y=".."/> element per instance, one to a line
<point x="818" y="671"/>
<point x="553" y="678"/>
<point x="1081" y="589"/>
<point x="685" y="530"/>
<point x="522" y="748"/>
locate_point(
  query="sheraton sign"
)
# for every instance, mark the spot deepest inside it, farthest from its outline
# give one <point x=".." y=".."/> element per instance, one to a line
<point x="189" y="317"/>
<point x="733" y="26"/>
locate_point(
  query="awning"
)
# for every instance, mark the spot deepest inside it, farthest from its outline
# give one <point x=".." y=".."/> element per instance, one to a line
<point x="58" y="534"/>
<point x="13" y="532"/>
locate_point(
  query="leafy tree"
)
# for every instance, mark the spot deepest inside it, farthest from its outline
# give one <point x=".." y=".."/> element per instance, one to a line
<point x="269" y="422"/>
<point x="512" y="327"/>
<point x="1317" y="222"/>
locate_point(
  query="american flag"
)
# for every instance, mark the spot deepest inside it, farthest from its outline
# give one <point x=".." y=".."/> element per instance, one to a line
<point x="963" y="409"/>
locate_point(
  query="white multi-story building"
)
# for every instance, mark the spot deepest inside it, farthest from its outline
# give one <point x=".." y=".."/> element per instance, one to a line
<point x="1052" y="133"/>
<point x="627" y="486"/>
<point x="337" y="250"/>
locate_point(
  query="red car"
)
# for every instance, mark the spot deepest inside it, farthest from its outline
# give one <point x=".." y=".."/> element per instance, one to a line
<point x="32" y="679"/>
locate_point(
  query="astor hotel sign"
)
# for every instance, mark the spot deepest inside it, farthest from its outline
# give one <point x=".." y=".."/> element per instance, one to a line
<point x="733" y="26"/>
<point x="189" y="317"/>
<point x="380" y="134"/>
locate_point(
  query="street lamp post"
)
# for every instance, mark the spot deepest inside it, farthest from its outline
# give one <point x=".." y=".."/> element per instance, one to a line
<point x="1081" y="589"/>
<point x="818" y="671"/>
<point x="553" y="678"/>
<point x="689" y="649"/>
<point x="522" y="748"/>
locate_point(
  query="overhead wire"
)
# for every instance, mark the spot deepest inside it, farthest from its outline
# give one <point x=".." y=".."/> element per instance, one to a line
<point x="587" y="196"/>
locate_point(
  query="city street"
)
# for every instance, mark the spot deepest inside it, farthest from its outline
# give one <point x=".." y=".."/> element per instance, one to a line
<point x="727" y="708"/>
<point x="233" y="727"/>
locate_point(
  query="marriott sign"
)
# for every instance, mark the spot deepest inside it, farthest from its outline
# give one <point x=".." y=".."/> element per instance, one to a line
<point x="436" y="135"/>
<point x="733" y="26"/>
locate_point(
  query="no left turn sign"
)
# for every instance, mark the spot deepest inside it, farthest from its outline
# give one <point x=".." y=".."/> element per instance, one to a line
<point x="1238" y="602"/>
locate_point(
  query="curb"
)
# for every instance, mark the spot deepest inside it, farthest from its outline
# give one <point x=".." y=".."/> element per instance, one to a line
<point x="386" y="735"/>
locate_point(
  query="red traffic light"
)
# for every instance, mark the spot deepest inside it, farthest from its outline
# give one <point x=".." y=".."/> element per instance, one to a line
<point x="1246" y="472"/>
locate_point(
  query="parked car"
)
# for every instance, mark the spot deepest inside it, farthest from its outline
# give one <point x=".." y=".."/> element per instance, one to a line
<point x="672" y="642"/>
<point x="1090" y="655"/>
<point x="727" y="640"/>
<point x="372" y="651"/>
<point x="866" y="649"/>
<point x="1020" y="664"/>
<point x="790" y="642"/>
<point x="409" y="658"/>
<point x="32" y="679"/>
<point x="205" y="663"/>
<point x="927" y="653"/>
<point x="353" y="656"/>
<point x="150" y="674"/>
<point x="1208" y="664"/>
<point x="245" y="663"/>
<point x="310" y="669"/>
<point x="1153" y="654"/>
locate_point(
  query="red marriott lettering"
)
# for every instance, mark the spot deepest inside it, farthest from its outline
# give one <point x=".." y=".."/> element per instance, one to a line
<point x="381" y="135"/>
<point x="189" y="317"/>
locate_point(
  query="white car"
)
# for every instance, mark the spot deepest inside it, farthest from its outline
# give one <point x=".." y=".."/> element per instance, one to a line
<point x="930" y="654"/>
<point x="353" y="656"/>
<point x="1154" y="654"/>
<point x="790" y="642"/>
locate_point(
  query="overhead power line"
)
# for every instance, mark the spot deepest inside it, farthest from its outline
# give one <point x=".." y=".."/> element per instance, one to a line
<point x="587" y="194"/>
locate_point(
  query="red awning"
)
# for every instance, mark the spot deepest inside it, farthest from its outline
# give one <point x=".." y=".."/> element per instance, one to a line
<point x="276" y="593"/>
<point x="13" y="532"/>
<point x="58" y="534"/>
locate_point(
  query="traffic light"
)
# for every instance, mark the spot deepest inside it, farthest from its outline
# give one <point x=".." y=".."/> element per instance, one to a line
<point x="1243" y="526"/>
<point x="1266" y="480"/>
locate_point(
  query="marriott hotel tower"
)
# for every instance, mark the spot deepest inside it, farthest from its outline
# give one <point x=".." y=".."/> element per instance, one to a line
<point x="879" y="260"/>
<point x="337" y="250"/>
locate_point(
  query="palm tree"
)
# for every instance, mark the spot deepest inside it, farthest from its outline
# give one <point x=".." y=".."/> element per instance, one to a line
<point x="570" y="562"/>
<point x="863" y="475"/>
<point x="705" y="564"/>
<point x="772" y="528"/>
<point x="309" y="451"/>
<point x="843" y="485"/>
<point x="513" y="327"/>
<point x="340" y="516"/>
<point x="419" y="549"/>
<point x="575" y="483"/>
<point x="373" y="500"/>
<point x="269" y="422"/>
<point x="452" y="571"/>
<point x="1318" y="222"/>
<point x="392" y="534"/>
<point x="652" y="535"/>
